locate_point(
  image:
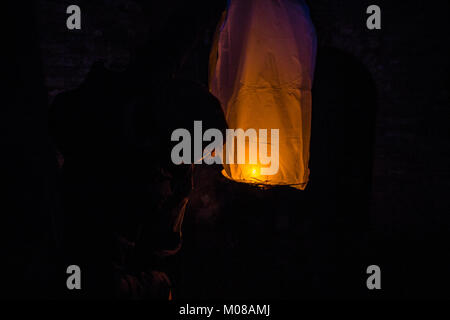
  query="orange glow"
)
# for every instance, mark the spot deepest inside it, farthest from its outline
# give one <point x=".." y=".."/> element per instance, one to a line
<point x="251" y="173"/>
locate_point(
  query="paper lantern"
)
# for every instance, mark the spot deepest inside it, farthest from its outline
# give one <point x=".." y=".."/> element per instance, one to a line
<point x="261" y="70"/>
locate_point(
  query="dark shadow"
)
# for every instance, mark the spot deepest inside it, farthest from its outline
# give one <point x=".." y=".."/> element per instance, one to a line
<point x="27" y="165"/>
<point x="245" y="242"/>
<point x="342" y="146"/>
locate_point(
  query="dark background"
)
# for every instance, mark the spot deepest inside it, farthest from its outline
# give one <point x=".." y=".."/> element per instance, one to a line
<point x="379" y="191"/>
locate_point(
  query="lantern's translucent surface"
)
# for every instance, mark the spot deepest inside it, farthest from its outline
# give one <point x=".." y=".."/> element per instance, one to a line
<point x="262" y="68"/>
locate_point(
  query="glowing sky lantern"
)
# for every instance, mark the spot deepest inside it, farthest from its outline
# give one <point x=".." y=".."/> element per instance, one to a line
<point x="261" y="70"/>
